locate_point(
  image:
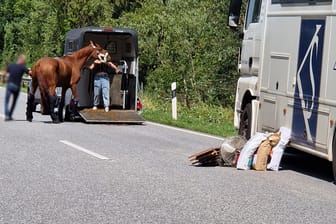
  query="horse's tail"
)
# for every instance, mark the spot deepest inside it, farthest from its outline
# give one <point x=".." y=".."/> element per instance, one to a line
<point x="41" y="82"/>
<point x="34" y="83"/>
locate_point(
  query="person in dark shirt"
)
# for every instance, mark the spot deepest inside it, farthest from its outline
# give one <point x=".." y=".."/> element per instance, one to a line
<point x="234" y="13"/>
<point x="100" y="69"/>
<point x="16" y="72"/>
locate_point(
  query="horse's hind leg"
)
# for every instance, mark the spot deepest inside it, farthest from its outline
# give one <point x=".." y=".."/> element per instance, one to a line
<point x="31" y="100"/>
<point x="61" y="105"/>
<point x="52" y="102"/>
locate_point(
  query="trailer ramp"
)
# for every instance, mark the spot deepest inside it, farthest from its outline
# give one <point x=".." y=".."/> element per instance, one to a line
<point x="113" y="116"/>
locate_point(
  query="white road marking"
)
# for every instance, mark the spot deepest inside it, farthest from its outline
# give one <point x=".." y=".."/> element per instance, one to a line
<point x="79" y="148"/>
<point x="185" y="131"/>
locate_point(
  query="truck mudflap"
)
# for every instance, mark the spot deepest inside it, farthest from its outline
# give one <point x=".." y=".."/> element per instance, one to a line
<point x="113" y="116"/>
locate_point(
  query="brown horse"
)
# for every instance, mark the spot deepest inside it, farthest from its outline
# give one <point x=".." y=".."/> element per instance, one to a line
<point x="49" y="73"/>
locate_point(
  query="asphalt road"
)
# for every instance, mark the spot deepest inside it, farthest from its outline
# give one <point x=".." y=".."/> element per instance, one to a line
<point x="82" y="173"/>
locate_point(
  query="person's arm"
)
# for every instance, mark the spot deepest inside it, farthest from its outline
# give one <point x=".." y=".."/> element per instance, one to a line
<point x="94" y="64"/>
<point x="114" y="67"/>
<point x="27" y="71"/>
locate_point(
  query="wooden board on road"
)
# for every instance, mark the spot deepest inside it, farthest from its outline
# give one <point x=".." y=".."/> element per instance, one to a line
<point x="113" y="116"/>
<point x="207" y="157"/>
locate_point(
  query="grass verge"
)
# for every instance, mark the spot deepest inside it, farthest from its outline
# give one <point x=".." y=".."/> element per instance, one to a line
<point x="213" y="120"/>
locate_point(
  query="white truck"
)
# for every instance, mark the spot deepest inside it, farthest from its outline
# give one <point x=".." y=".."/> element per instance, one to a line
<point x="288" y="73"/>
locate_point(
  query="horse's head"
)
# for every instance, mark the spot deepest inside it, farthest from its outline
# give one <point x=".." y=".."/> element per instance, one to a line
<point x="99" y="52"/>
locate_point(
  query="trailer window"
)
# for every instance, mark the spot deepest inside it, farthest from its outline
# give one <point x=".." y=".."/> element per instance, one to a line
<point x="70" y="46"/>
<point x="253" y="12"/>
<point x="112" y="47"/>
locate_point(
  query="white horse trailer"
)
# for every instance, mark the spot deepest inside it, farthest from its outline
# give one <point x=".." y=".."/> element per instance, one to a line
<point x="288" y="73"/>
<point x="122" y="45"/>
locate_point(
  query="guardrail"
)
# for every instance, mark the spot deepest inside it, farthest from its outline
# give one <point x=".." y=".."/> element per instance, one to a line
<point x="24" y="83"/>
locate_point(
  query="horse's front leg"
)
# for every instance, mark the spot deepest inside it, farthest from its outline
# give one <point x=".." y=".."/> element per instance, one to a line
<point x="75" y="96"/>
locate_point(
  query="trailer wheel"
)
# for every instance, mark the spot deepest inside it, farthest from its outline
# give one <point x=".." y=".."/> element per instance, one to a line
<point x="245" y="121"/>
<point x="334" y="157"/>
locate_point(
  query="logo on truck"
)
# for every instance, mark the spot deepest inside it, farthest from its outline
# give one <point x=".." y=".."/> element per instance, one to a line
<point x="307" y="90"/>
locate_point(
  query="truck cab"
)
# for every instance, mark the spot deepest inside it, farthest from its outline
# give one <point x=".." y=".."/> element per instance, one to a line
<point x="249" y="67"/>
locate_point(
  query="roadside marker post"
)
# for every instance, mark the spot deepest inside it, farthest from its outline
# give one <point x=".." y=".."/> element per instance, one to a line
<point x="174" y="101"/>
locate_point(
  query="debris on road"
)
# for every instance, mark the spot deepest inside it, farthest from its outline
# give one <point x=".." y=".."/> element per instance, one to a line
<point x="230" y="151"/>
<point x="226" y="155"/>
<point x="207" y="157"/>
<point x="261" y="152"/>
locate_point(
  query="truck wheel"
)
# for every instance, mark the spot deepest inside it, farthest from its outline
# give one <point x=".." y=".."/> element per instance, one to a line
<point x="245" y="122"/>
<point x="334" y="157"/>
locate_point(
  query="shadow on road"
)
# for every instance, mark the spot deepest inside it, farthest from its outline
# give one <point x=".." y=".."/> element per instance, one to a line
<point x="307" y="164"/>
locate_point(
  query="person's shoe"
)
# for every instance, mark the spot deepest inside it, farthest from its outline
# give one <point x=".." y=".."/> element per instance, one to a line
<point x="8" y="118"/>
<point x="94" y="108"/>
<point x="233" y="22"/>
<point x="107" y="109"/>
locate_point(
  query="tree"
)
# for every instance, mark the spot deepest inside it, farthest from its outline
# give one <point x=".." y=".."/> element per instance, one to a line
<point x="188" y="42"/>
<point x="38" y="27"/>
<point x="180" y="40"/>
<point x="122" y="6"/>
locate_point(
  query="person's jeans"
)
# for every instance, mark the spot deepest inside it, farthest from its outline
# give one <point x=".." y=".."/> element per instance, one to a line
<point x="102" y="83"/>
<point x="11" y="90"/>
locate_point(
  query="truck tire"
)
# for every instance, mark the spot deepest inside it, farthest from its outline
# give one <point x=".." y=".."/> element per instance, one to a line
<point x="334" y="157"/>
<point x="245" y="121"/>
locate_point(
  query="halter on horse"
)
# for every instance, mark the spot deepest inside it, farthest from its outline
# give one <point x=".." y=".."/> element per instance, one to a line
<point x="48" y="73"/>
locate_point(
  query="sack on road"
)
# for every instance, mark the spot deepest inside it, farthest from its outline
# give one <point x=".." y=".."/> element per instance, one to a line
<point x="264" y="151"/>
<point x="279" y="149"/>
<point x="246" y="155"/>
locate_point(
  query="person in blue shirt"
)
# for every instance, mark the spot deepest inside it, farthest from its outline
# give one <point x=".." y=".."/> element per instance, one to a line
<point x="15" y="72"/>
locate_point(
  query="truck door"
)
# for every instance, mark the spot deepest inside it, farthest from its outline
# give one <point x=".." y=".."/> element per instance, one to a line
<point x="250" y="54"/>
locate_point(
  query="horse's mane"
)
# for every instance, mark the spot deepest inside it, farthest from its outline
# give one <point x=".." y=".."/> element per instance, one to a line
<point x="81" y="52"/>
